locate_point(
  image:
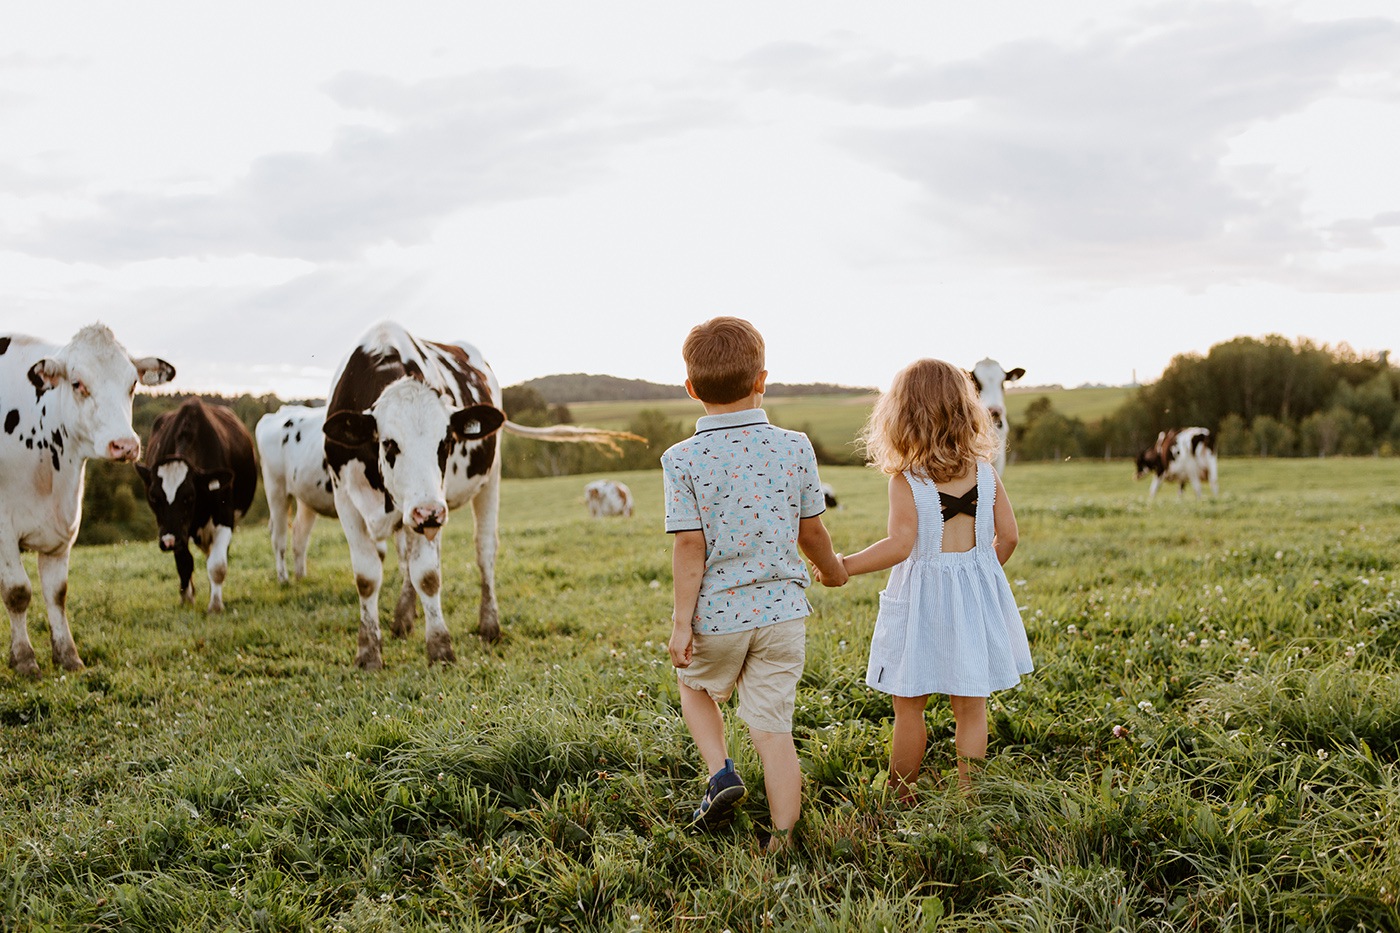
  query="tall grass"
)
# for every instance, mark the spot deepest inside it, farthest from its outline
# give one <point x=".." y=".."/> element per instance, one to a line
<point x="1209" y="742"/>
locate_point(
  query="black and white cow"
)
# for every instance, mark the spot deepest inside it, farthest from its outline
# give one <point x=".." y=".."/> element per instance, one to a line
<point x="991" y="379"/>
<point x="292" y="454"/>
<point x="1185" y="455"/>
<point x="200" y="478"/>
<point x="59" y="406"/>
<point x="411" y="434"/>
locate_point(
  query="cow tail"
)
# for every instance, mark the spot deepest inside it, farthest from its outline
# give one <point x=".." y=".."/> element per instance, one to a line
<point x="574" y="434"/>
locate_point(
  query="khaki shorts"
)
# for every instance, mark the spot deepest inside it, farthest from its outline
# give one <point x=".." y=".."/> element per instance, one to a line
<point x="763" y="663"/>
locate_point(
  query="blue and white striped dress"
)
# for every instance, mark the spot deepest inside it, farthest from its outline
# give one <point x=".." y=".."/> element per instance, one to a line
<point x="948" y="622"/>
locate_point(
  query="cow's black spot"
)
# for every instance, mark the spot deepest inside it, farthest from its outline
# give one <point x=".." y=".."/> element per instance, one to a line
<point x="298" y="437"/>
<point x="12" y="421"/>
<point x="391" y="452"/>
<point x="328" y="485"/>
<point x="4" y="344"/>
<point x="56" y="440"/>
<point x="53" y="453"/>
<point x="289" y="423"/>
<point x="482" y="456"/>
<point x="29" y="443"/>
<point x="285" y="438"/>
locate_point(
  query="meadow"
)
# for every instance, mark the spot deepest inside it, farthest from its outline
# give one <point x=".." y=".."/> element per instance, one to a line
<point x="1211" y="740"/>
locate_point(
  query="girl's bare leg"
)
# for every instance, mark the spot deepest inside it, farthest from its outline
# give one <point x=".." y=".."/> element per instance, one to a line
<point x="907" y="744"/>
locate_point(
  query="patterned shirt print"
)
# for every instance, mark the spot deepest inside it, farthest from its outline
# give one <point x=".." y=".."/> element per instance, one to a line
<point x="746" y="484"/>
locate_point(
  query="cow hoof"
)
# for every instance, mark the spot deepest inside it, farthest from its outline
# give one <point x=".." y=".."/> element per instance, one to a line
<point x="489" y="631"/>
<point x="187" y="596"/>
<point x="216" y="605"/>
<point x="23" y="662"/>
<point x="440" y="649"/>
<point x="368" y="660"/>
<point x="402" y="626"/>
<point x="67" y="658"/>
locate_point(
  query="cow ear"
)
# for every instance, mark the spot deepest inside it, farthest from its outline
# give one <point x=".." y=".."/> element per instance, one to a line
<point x="351" y="429"/>
<point x="144" y="472"/>
<point x="1015" y="374"/>
<point x="214" y="480"/>
<point x="47" y="373"/>
<point x="478" y="421"/>
<point x="976" y="383"/>
<point x="153" y="371"/>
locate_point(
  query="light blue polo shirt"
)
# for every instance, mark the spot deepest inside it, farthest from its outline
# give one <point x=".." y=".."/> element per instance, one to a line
<point x="746" y="484"/>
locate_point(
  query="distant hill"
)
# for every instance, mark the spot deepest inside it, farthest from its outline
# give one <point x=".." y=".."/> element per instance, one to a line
<point x="568" y="388"/>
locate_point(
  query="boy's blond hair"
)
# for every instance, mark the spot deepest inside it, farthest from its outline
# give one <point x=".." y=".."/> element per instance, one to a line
<point x="931" y="422"/>
<point x="723" y="359"/>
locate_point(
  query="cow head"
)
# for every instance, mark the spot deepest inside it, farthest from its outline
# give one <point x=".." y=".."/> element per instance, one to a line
<point x="414" y="431"/>
<point x="1149" y="461"/>
<point x="179" y="495"/>
<point x="95" y="379"/>
<point x="990" y="380"/>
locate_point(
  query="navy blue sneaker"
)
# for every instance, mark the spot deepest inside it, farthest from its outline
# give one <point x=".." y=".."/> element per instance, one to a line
<point x="725" y="792"/>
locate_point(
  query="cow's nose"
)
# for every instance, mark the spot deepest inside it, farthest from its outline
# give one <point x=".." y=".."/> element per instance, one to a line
<point x="428" y="518"/>
<point x="124" y="449"/>
<point x="167" y="542"/>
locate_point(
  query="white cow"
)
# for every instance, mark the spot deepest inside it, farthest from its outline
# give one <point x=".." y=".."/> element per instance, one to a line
<point x="606" y="497"/>
<point x="991" y="380"/>
<point x="411" y="434"/>
<point x="292" y="451"/>
<point x="59" y="406"/>
<point x="1181" y="456"/>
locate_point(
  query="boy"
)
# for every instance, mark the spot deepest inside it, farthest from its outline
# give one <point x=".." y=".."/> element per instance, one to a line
<point x="742" y="496"/>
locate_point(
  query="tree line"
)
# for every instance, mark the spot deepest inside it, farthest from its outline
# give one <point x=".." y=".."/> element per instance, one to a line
<point x="1266" y="397"/>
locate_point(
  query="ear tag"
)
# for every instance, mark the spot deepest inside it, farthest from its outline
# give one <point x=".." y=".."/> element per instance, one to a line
<point x="213" y="485"/>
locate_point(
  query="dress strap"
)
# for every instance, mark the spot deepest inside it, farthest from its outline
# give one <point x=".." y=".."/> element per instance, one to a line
<point x="926" y="503"/>
<point x="986" y="519"/>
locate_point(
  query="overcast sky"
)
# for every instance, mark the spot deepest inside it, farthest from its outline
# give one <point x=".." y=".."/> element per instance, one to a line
<point x="1083" y="188"/>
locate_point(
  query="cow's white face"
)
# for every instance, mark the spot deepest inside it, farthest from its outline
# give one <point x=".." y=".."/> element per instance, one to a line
<point x="990" y="380"/>
<point x="96" y="379"/>
<point x="414" y="431"/>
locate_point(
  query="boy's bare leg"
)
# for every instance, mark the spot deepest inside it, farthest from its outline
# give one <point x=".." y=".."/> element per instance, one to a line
<point x="970" y="714"/>
<point x="782" y="779"/>
<point x="706" y="724"/>
<point x="907" y="744"/>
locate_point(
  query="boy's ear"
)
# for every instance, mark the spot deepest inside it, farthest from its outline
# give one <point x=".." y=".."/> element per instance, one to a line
<point x="761" y="382"/>
<point x="690" y="390"/>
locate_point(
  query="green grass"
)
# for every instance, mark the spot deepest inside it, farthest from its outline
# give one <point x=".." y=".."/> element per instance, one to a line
<point x="236" y="772"/>
<point x="835" y="420"/>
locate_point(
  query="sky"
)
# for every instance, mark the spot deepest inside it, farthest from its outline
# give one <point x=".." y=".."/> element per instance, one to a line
<point x="1083" y="189"/>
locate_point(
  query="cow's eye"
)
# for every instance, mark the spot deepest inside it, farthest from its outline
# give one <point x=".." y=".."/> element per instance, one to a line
<point x="80" y="388"/>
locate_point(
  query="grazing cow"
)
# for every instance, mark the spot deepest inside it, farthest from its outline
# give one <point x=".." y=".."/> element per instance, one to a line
<point x="59" y="405"/>
<point x="829" y="495"/>
<point x="1181" y="456"/>
<point x="990" y="380"/>
<point x="410" y="435"/>
<point x="607" y="497"/>
<point x="200" y="478"/>
<point x="292" y="453"/>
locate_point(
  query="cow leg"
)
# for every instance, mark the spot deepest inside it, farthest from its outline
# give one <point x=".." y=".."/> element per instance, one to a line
<point x="1195" y="484"/>
<point x="1156" y="483"/>
<point x="424" y="567"/>
<point x="217" y="565"/>
<point x="301" y="539"/>
<point x="14" y="587"/>
<point x="486" y="507"/>
<point x="184" y="566"/>
<point x="1213" y="473"/>
<point x="366" y="560"/>
<point x="407" y="607"/>
<point x="53" y="574"/>
<point x="277" y="507"/>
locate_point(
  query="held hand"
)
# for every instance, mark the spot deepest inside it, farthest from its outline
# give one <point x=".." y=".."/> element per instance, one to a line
<point x="835" y="579"/>
<point x="681" y="646"/>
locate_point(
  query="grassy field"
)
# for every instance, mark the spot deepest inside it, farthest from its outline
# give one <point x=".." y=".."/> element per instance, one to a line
<point x="1209" y="742"/>
<point x="835" y="420"/>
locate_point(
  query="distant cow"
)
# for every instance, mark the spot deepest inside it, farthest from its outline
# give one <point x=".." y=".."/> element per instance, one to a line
<point x="990" y="380"/>
<point x="292" y="454"/>
<point x="411" y="433"/>
<point x="200" y="478"/>
<point x="607" y="498"/>
<point x="1181" y="456"/>
<point x="829" y="495"/>
<point x="59" y="406"/>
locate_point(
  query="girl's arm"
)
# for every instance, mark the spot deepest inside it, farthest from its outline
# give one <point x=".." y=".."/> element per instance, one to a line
<point x="902" y="532"/>
<point x="1007" y="534"/>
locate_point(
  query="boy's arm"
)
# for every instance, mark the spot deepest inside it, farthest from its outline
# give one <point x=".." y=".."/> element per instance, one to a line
<point x="687" y="570"/>
<point x="902" y="530"/>
<point x="816" y="545"/>
<point x="1004" y="519"/>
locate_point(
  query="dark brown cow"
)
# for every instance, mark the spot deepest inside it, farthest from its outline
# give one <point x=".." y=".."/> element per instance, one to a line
<point x="200" y="477"/>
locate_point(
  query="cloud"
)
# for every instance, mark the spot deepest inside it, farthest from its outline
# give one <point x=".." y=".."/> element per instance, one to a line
<point x="1109" y="157"/>
<point x="423" y="152"/>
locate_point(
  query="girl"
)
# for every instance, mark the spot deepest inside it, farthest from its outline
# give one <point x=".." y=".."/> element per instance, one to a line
<point x="948" y="622"/>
